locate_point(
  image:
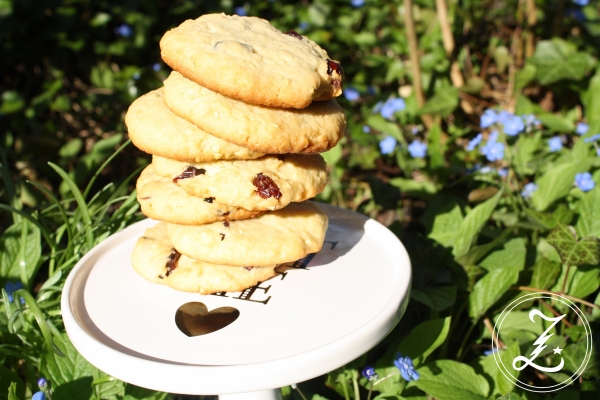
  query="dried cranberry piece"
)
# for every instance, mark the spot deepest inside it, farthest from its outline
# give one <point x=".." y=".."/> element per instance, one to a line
<point x="265" y="187"/>
<point x="333" y="66"/>
<point x="209" y="199"/>
<point x="223" y="214"/>
<point x="248" y="268"/>
<point x="226" y="224"/>
<point x="294" y="34"/>
<point x="222" y="236"/>
<point x="189" y="172"/>
<point x="172" y="262"/>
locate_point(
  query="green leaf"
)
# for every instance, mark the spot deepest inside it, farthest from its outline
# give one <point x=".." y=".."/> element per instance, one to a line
<point x="558" y="59"/>
<point x="525" y="76"/>
<point x="445" y="226"/>
<point x="557" y="123"/>
<point x="584" y="281"/>
<point x="389" y="128"/>
<point x="547" y="221"/>
<point x="443" y="102"/>
<point x="71" y="375"/>
<point x="524" y="149"/>
<point x="556" y="183"/>
<point x="10" y="381"/>
<point x="452" y="380"/>
<point x="12" y="391"/>
<point x="588" y="221"/>
<point x="571" y="251"/>
<point x="502" y="58"/>
<point x="592" y="111"/>
<point x="544" y="274"/>
<point x="436" y="149"/>
<point x="436" y="298"/>
<point x="424" y="339"/>
<point x="17" y="251"/>
<point x="71" y="148"/>
<point x="510" y="396"/>
<point x="133" y="392"/>
<point x="511" y="256"/>
<point x="490" y="288"/>
<point x="472" y="224"/>
<point x="507" y="355"/>
<point x="476" y="253"/>
<point x="410" y="186"/>
<point x="11" y="102"/>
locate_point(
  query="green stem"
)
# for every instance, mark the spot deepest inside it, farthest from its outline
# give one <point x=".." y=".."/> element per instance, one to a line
<point x="355" y="384"/>
<point x="461" y="349"/>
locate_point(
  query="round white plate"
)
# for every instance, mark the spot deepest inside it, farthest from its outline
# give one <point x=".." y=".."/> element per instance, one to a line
<point x="314" y="317"/>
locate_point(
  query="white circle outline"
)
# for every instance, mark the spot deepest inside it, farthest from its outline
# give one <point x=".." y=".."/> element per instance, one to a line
<point x="541" y="295"/>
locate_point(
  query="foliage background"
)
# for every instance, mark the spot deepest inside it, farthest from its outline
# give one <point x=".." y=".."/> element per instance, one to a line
<point x="70" y="68"/>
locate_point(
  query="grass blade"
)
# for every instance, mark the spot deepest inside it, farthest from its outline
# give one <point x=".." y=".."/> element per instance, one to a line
<point x="89" y="186"/>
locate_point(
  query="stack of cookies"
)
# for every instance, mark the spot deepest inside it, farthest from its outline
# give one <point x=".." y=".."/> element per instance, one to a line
<point x="235" y="134"/>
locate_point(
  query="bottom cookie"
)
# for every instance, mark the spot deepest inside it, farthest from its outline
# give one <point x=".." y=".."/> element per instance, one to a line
<point x="155" y="259"/>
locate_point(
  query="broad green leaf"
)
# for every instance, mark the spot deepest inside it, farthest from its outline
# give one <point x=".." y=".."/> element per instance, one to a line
<point x="11" y="102"/>
<point x="476" y="253"/>
<point x="524" y="149"/>
<point x="490" y="288"/>
<point x="557" y="123"/>
<point x="436" y="149"/>
<point x="571" y="251"/>
<point x="558" y="59"/>
<point x="547" y="221"/>
<point x="106" y="387"/>
<point x="133" y="392"/>
<point x="556" y="182"/>
<point x="544" y="274"/>
<point x="511" y="256"/>
<point x="389" y="128"/>
<point x="443" y="102"/>
<point x="584" y="281"/>
<point x="12" y="392"/>
<point x="510" y="396"/>
<point x="13" y="256"/>
<point x="424" y="339"/>
<point x="592" y="111"/>
<point x="525" y="76"/>
<point x="71" y="375"/>
<point x="452" y="380"/>
<point x="588" y="222"/>
<point x="436" y="298"/>
<point x="502" y="58"/>
<point x="472" y="224"/>
<point x="71" y="148"/>
<point x="490" y="367"/>
<point x="446" y="225"/>
<point x="410" y="186"/>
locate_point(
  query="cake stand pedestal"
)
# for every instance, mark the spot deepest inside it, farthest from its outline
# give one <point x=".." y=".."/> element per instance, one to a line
<point x="316" y="315"/>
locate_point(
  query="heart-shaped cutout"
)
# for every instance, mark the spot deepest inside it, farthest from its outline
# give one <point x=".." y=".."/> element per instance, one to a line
<point x="194" y="319"/>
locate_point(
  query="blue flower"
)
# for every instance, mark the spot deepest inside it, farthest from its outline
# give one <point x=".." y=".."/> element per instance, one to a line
<point x="371" y="90"/>
<point x="581" y="128"/>
<point x="369" y="373"/>
<point x="303" y="25"/>
<point x="598" y="151"/>
<point x="503" y="172"/>
<point x="488" y="118"/>
<point x="366" y="129"/>
<point x="42" y="383"/>
<point x="576" y="13"/>
<point x="406" y="367"/>
<point x="493" y="151"/>
<point x="351" y="94"/>
<point x="513" y="125"/>
<point x="592" y="138"/>
<point x="485" y="170"/>
<point x="530" y="120"/>
<point x="528" y="189"/>
<point x="39" y="396"/>
<point x="503" y="116"/>
<point x="10" y="288"/>
<point x="357" y="3"/>
<point x="414" y="130"/>
<point x="490" y="352"/>
<point x="378" y="107"/>
<point x="417" y="149"/>
<point x="474" y="142"/>
<point x="392" y="106"/>
<point x="156" y="67"/>
<point x="124" y="30"/>
<point x="581" y="2"/>
<point x="555" y="143"/>
<point x="241" y="11"/>
<point x="387" y="145"/>
<point x="584" y="181"/>
<point x="493" y="137"/>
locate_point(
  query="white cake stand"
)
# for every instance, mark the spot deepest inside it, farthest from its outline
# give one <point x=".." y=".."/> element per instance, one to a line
<point x="317" y="315"/>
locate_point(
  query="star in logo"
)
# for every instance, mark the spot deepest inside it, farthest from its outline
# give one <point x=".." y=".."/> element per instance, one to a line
<point x="557" y="350"/>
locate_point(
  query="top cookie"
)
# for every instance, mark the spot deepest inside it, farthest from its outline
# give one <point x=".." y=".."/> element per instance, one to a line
<point x="153" y="128"/>
<point x="246" y="58"/>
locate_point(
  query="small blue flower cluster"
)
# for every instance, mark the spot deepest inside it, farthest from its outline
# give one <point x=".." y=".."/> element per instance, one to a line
<point x="511" y="124"/>
<point x="351" y="94"/>
<point x="44" y="386"/>
<point x="241" y="11"/>
<point x="389" y="107"/>
<point x="492" y="150"/>
<point x="124" y="30"/>
<point x="359" y="3"/>
<point x="369" y="373"/>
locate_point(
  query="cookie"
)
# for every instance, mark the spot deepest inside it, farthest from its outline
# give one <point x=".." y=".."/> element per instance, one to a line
<point x="269" y="130"/>
<point x="246" y="58"/>
<point x="162" y="199"/>
<point x="155" y="259"/>
<point x="267" y="183"/>
<point x="153" y="128"/>
<point x="273" y="238"/>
